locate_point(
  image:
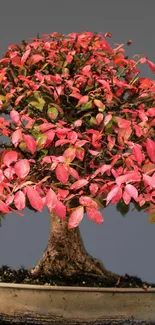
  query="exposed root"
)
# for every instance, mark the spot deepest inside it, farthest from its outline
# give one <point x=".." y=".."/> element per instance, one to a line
<point x="52" y="264"/>
<point x="66" y="256"/>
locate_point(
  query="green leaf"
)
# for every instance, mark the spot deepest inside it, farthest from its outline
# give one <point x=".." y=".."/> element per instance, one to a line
<point x="36" y="129"/>
<point x="99" y="203"/>
<point x="2" y="216"/>
<point x="2" y="97"/>
<point x="122" y="207"/>
<point x="101" y="109"/>
<point x="138" y="208"/>
<point x="42" y="153"/>
<point x="86" y="105"/>
<point x="109" y="125"/>
<point x="108" y="130"/>
<point x="92" y="120"/>
<point x="23" y="146"/>
<point x="41" y="140"/>
<point x="89" y="88"/>
<point x="44" y="66"/>
<point x="52" y="113"/>
<point x="36" y="101"/>
<point x="38" y="105"/>
<point x="151" y="218"/>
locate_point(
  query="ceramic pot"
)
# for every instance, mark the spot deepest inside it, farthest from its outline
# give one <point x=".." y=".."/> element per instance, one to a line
<point x="43" y="304"/>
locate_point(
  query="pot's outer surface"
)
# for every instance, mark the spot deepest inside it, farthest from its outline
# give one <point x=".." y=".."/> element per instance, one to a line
<point x="41" y="304"/>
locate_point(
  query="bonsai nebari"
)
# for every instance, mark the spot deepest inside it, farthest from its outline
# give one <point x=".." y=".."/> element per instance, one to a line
<point x="79" y="120"/>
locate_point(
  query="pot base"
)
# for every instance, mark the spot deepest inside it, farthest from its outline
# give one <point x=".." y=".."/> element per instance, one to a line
<point x="37" y="304"/>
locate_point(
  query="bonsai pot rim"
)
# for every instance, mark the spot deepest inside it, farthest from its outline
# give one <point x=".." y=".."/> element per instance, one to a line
<point x="46" y="304"/>
<point x="72" y="288"/>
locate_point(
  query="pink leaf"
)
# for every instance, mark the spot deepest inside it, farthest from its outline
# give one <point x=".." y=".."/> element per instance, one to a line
<point x="132" y="191"/>
<point x="72" y="136"/>
<point x="15" y="59"/>
<point x="22" y="168"/>
<point x="138" y="153"/>
<point x="15" y="117"/>
<point x="9" y="172"/>
<point x="19" y="200"/>
<point x="61" y="142"/>
<point x="25" y="56"/>
<point x="83" y="100"/>
<point x="69" y="154"/>
<point x="150" y="148"/>
<point x="149" y="180"/>
<point x="35" y="58"/>
<point x="86" y="70"/>
<point x="1" y="176"/>
<point x="16" y="137"/>
<point x="4" y="61"/>
<point x="80" y="153"/>
<point x="45" y="126"/>
<point x="117" y="197"/>
<point x="34" y="198"/>
<point x="51" y="199"/>
<point x="93" y="189"/>
<point x="122" y="123"/>
<point x="105" y="168"/>
<point x="78" y="184"/>
<point x="86" y="201"/>
<point x="95" y="215"/>
<point x="76" y="217"/>
<point x="132" y="176"/>
<point x="107" y="119"/>
<point x="75" y="95"/>
<point x="98" y="103"/>
<point x="151" y="65"/>
<point x="30" y="142"/>
<point x="60" y="210"/>
<point x="78" y="123"/>
<point x="112" y="194"/>
<point x="126" y="197"/>
<point x="62" y="194"/>
<point x="29" y="121"/>
<point x="138" y="130"/>
<point x="17" y="101"/>
<point x="62" y="173"/>
<point x="60" y="132"/>
<point x="99" y="118"/>
<point x="73" y="173"/>
<point x="10" y="157"/>
<point x="50" y="136"/>
<point x="3" y="207"/>
<point x="81" y="143"/>
<point x="94" y="152"/>
<point x="47" y="160"/>
<point x="9" y="199"/>
<point x="141" y="200"/>
<point x="104" y="83"/>
<point x="143" y="60"/>
<point x="151" y="111"/>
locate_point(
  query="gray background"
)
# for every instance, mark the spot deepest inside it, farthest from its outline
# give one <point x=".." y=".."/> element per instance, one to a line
<point x="125" y="244"/>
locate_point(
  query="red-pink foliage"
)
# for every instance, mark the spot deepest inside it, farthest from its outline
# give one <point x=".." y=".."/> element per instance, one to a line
<point x="81" y="127"/>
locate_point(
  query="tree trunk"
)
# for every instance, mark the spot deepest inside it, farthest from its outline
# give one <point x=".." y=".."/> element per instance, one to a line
<point x="66" y="256"/>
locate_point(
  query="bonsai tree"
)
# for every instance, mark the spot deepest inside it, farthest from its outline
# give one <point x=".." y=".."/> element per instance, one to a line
<point x="79" y="121"/>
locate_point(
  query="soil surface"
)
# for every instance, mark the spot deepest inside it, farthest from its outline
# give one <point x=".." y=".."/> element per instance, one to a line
<point x="23" y="276"/>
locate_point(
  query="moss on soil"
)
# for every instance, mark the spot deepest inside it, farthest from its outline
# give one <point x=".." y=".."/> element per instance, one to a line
<point x="23" y="276"/>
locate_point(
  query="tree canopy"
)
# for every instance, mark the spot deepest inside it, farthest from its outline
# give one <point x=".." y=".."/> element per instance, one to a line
<point x="79" y="125"/>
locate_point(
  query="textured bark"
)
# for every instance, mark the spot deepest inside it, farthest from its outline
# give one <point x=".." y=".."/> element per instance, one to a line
<point x="65" y="254"/>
